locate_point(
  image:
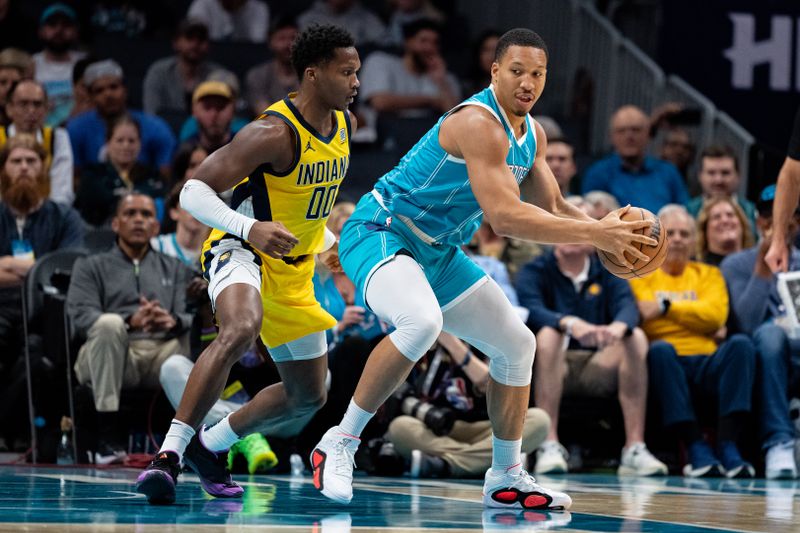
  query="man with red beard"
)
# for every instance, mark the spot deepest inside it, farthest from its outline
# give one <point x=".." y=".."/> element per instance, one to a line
<point x="30" y="226"/>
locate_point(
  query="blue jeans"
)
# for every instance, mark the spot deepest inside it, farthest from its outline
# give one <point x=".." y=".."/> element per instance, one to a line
<point x="772" y="384"/>
<point x="727" y="375"/>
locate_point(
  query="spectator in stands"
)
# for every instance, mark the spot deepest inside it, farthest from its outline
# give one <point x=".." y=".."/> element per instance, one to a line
<point x="552" y="129"/>
<point x="30" y="226"/>
<point x="170" y="82"/>
<point x="26" y="109"/>
<point x="186" y="161"/>
<point x="678" y="148"/>
<point x="232" y="20"/>
<point x="129" y="304"/>
<point x="629" y="173"/>
<point x="513" y="253"/>
<point x="87" y="131"/>
<point x="213" y="109"/>
<point x="191" y="128"/>
<point x="722" y="229"/>
<point x="405" y="11"/>
<point x="676" y="144"/>
<point x="58" y="32"/>
<point x="15" y="65"/>
<point x="719" y="177"/>
<point x="102" y="185"/>
<point x="365" y="26"/>
<point x="414" y="85"/>
<point x="271" y="81"/>
<point x="757" y="310"/>
<point x="80" y="93"/>
<point x="601" y="203"/>
<point x="482" y="58"/>
<point x="560" y="158"/>
<point x="587" y="343"/>
<point x="465" y="450"/>
<point x="684" y="307"/>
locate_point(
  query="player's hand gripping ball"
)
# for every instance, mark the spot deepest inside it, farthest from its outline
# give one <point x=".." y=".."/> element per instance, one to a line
<point x="656" y="253"/>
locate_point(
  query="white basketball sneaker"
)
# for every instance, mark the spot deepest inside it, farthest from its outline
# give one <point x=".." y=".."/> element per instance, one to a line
<point x="551" y="458"/>
<point x="637" y="460"/>
<point x="520" y="491"/>
<point x="332" y="463"/>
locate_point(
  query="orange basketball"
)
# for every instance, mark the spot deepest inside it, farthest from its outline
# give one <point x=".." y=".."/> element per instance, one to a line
<point x="656" y="253"/>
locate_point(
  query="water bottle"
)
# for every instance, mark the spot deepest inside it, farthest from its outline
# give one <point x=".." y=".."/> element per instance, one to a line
<point x="297" y="465"/>
<point x="65" y="454"/>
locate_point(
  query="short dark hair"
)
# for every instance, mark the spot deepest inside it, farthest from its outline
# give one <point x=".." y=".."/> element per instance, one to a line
<point x="317" y="45"/>
<point x="80" y="67"/>
<point x="130" y="194"/>
<point x="410" y="29"/>
<point x="125" y="118"/>
<point x="282" y="22"/>
<point x="192" y="27"/>
<point x="717" y="151"/>
<point x="519" y="37"/>
<point x="562" y="140"/>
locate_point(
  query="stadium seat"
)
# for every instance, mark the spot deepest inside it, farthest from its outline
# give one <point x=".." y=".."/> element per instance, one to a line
<point x="48" y="280"/>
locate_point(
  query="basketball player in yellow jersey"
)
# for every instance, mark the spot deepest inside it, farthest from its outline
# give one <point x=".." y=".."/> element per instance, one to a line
<point x="286" y="167"/>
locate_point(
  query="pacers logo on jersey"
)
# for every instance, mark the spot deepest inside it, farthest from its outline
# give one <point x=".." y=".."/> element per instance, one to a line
<point x="223" y="259"/>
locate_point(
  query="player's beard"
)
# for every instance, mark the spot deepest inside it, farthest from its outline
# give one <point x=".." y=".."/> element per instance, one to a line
<point x="58" y="46"/>
<point x="22" y="196"/>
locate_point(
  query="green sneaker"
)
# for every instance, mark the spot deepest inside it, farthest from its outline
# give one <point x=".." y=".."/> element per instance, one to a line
<point x="255" y="449"/>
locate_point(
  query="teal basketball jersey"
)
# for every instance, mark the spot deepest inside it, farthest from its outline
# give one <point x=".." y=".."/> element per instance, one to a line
<point x="429" y="190"/>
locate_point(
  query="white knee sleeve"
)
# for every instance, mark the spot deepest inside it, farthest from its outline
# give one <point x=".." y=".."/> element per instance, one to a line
<point x="487" y="320"/>
<point x="399" y="293"/>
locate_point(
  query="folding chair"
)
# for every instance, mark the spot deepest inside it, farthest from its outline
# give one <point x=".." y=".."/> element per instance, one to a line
<point x="49" y="275"/>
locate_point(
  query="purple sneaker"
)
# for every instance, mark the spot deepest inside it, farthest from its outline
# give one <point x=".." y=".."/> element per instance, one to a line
<point x="212" y="469"/>
<point x="158" y="480"/>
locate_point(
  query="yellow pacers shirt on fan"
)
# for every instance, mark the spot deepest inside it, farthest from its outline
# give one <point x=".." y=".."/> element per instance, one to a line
<point x="301" y="198"/>
<point x="699" y="307"/>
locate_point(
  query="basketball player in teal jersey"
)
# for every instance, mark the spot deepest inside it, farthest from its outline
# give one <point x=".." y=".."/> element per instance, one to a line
<point x="402" y="249"/>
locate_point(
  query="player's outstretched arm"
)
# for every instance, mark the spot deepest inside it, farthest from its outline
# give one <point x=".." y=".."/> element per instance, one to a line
<point x="498" y="194"/>
<point x="263" y="141"/>
<point x="787" y="194"/>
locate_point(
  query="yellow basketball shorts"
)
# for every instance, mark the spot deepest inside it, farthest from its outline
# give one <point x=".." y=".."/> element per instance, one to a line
<point x="291" y="310"/>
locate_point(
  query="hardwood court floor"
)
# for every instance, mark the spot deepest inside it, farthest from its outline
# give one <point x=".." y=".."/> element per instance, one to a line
<point x="85" y="499"/>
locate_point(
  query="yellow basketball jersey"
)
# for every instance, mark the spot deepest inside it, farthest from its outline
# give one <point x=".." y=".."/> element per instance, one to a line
<point x="302" y="196"/>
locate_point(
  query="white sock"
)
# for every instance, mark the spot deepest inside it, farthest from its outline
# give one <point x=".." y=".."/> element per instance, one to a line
<point x="220" y="436"/>
<point x="355" y="420"/>
<point x="177" y="438"/>
<point x="506" y="455"/>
